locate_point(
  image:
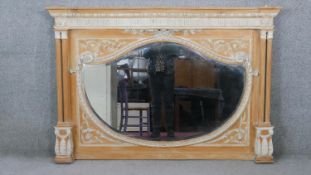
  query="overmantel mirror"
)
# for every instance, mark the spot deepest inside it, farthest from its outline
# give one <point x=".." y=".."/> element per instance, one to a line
<point x="163" y="83"/>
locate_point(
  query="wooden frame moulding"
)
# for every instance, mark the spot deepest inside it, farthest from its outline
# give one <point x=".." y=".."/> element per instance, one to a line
<point x="155" y="24"/>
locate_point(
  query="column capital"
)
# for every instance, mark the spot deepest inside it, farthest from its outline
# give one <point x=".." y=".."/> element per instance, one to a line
<point x="266" y="34"/>
<point x="61" y="34"/>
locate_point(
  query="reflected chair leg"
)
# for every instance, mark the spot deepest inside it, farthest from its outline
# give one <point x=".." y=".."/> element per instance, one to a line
<point x="121" y="124"/>
<point x="126" y="122"/>
<point x="126" y="116"/>
<point x="122" y="118"/>
<point x="141" y="122"/>
<point x="148" y="121"/>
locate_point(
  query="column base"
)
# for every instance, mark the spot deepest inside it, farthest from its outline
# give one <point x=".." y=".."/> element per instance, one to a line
<point x="264" y="160"/>
<point x="63" y="159"/>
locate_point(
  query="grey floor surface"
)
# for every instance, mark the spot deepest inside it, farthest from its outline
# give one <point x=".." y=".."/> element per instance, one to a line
<point x="287" y="165"/>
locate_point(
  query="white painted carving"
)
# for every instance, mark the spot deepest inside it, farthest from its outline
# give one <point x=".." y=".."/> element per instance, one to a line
<point x="95" y="48"/>
<point x="263" y="34"/>
<point x="161" y="15"/>
<point x="61" y="35"/>
<point x="100" y="51"/>
<point x="266" y="34"/>
<point x="57" y="35"/>
<point x="255" y="72"/>
<point x="169" y="22"/>
<point x="73" y="70"/>
<point x="240" y="56"/>
<point x="263" y="142"/>
<point x="270" y="34"/>
<point x="238" y="136"/>
<point x="64" y="34"/>
<point x="234" y="49"/>
<point x="89" y="135"/>
<point x="63" y="143"/>
<point x="163" y="32"/>
<point x="86" y="57"/>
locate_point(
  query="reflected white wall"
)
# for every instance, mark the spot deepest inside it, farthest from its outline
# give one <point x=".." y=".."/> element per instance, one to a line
<point x="99" y="87"/>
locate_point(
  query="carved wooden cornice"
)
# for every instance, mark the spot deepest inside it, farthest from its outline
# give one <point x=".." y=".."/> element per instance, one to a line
<point x="184" y="18"/>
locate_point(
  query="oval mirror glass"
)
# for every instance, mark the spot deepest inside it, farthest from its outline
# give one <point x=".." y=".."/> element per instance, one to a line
<point x="164" y="91"/>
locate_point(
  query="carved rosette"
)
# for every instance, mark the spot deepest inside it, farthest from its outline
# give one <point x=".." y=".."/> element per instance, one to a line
<point x="63" y="144"/>
<point x="263" y="144"/>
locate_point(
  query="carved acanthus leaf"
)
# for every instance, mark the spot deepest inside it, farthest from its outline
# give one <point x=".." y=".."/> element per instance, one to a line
<point x="237" y="135"/>
<point x="235" y="49"/>
<point x="91" y="135"/>
<point x="95" y="48"/>
<point x="234" y="136"/>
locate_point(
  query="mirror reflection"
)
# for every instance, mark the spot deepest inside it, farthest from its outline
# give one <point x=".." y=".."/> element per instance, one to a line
<point x="164" y="91"/>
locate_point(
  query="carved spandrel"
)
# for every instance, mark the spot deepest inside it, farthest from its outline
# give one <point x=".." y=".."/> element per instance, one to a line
<point x="238" y="134"/>
<point x="234" y="49"/>
<point x="90" y="134"/>
<point x="103" y="47"/>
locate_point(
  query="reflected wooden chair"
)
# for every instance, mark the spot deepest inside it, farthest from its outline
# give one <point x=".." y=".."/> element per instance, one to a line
<point x="125" y="109"/>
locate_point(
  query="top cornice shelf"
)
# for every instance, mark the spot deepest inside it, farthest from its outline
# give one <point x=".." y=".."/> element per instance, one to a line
<point x="164" y="17"/>
<point x="238" y="11"/>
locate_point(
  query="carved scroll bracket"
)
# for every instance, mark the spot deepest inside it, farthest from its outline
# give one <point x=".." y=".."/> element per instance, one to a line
<point x="264" y="145"/>
<point x="86" y="57"/>
<point x="63" y="144"/>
